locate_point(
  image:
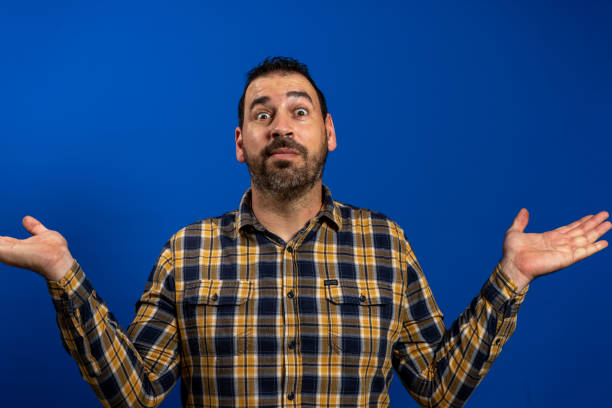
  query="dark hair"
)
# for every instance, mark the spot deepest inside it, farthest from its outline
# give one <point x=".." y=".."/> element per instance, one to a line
<point x="279" y="64"/>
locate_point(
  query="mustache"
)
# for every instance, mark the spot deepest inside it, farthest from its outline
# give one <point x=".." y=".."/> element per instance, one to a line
<point x="285" y="142"/>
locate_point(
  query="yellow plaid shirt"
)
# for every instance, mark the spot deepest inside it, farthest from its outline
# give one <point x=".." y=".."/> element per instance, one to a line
<point x="248" y="320"/>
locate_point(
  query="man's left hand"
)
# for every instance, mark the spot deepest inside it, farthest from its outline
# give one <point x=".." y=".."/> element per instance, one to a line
<point x="529" y="255"/>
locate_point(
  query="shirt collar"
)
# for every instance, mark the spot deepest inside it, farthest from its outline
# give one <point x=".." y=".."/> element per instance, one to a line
<point x="329" y="212"/>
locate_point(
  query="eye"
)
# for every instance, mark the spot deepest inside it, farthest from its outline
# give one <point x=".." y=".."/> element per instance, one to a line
<point x="301" y="112"/>
<point x="263" y="116"/>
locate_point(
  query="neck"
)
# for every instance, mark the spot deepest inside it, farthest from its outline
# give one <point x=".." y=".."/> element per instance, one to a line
<point x="285" y="217"/>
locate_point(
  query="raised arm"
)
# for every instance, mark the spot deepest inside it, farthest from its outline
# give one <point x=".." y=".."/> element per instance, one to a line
<point x="136" y="368"/>
<point x="441" y="367"/>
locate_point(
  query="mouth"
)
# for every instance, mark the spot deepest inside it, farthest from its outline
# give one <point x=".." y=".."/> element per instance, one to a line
<point x="284" y="153"/>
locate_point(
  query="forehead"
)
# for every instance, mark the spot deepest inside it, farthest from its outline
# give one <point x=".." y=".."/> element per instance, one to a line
<point x="277" y="84"/>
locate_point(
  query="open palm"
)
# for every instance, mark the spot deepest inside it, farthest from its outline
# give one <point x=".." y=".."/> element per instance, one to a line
<point x="45" y="252"/>
<point x="529" y="255"/>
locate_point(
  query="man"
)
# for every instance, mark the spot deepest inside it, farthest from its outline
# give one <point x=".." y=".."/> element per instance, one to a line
<point x="294" y="299"/>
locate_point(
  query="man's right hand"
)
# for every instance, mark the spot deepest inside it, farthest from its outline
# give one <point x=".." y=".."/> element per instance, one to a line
<point x="45" y="252"/>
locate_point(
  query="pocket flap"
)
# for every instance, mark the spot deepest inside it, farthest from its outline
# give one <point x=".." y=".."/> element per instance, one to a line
<point x="359" y="293"/>
<point x="217" y="292"/>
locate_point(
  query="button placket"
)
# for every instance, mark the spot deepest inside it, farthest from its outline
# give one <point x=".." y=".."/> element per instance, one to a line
<point x="291" y="322"/>
<point x="293" y="358"/>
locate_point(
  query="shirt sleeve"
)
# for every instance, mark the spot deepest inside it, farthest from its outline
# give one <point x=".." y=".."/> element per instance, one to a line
<point x="441" y="367"/>
<point x="136" y="368"/>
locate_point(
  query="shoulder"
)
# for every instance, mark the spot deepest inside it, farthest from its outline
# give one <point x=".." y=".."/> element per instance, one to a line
<point x="374" y="234"/>
<point x="364" y="220"/>
<point x="192" y="234"/>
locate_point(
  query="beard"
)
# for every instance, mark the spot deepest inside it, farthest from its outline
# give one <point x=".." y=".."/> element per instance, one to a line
<point x="284" y="179"/>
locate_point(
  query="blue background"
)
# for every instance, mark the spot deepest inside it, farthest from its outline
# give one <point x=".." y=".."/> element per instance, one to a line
<point x="117" y="128"/>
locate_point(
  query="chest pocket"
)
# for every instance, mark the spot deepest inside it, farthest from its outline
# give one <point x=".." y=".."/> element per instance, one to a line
<point x="215" y="317"/>
<point x="361" y="314"/>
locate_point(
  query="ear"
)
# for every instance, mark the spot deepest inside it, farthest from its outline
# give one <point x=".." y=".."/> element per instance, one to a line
<point x="331" y="133"/>
<point x="239" y="149"/>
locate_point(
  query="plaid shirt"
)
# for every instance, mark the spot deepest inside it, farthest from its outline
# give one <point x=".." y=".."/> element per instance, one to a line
<point x="247" y="319"/>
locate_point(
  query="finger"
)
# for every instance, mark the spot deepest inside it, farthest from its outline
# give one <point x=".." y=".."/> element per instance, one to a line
<point x="586" y="251"/>
<point x="520" y="221"/>
<point x="569" y="227"/>
<point x="33" y="226"/>
<point x="8" y="241"/>
<point x="588" y="225"/>
<point x="7" y="250"/>
<point x="594" y="234"/>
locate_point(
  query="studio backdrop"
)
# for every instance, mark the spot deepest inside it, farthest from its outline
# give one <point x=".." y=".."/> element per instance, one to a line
<point x="117" y="129"/>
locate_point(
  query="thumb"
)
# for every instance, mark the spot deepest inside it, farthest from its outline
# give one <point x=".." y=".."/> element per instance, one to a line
<point x="33" y="226"/>
<point x="520" y="221"/>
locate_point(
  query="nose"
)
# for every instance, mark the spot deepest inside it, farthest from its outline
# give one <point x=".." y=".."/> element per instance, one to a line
<point x="281" y="126"/>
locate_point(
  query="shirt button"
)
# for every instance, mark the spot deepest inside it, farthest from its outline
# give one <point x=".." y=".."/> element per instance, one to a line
<point x="290" y="249"/>
<point x="291" y="345"/>
<point x="291" y="396"/>
<point x="290" y="294"/>
<point x="362" y="298"/>
<point x="215" y="297"/>
<point x="497" y="341"/>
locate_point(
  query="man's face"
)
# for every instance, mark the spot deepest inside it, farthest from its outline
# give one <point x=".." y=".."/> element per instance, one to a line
<point x="284" y="139"/>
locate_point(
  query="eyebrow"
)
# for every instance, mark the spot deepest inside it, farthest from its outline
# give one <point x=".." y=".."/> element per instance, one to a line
<point x="294" y="94"/>
<point x="261" y="100"/>
<point x="299" y="94"/>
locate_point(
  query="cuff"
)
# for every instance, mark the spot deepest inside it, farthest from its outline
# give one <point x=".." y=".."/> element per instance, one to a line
<point x="502" y="293"/>
<point x="70" y="292"/>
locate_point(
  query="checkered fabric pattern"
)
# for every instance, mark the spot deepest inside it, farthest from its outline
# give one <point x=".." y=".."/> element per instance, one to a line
<point x="248" y="320"/>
